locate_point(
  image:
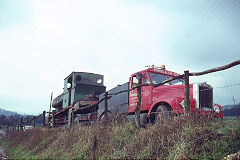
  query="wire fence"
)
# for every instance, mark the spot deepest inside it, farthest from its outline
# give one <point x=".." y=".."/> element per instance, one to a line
<point x="23" y="125"/>
<point x="55" y="119"/>
<point x="64" y="121"/>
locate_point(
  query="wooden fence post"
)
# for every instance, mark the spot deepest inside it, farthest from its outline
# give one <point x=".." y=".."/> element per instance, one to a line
<point x="43" y="119"/>
<point x="105" y="101"/>
<point x="70" y="117"/>
<point x="21" y="123"/>
<point x="53" y="120"/>
<point x="93" y="147"/>
<point x="18" y="126"/>
<point x="7" y="128"/>
<point x="34" y="121"/>
<point x="186" y="92"/>
<point x="138" y="107"/>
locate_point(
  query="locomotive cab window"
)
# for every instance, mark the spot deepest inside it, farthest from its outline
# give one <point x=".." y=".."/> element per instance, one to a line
<point x="99" y="80"/>
<point x="69" y="84"/>
<point x="78" y="78"/>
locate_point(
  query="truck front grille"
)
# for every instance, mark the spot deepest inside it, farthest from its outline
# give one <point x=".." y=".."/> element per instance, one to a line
<point x="205" y="96"/>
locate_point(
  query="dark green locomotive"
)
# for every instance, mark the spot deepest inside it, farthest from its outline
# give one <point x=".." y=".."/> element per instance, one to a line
<point x="80" y="89"/>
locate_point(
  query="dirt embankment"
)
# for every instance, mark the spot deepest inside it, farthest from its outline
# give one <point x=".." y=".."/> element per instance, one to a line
<point x="182" y="137"/>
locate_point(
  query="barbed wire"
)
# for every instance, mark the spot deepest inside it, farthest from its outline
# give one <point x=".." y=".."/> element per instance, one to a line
<point x="165" y="97"/>
<point x="63" y="121"/>
<point x="160" y="84"/>
<point x="165" y="81"/>
<point x="232" y="85"/>
<point x="168" y="87"/>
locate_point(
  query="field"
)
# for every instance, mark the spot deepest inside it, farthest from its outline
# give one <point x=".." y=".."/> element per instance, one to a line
<point x="182" y="137"/>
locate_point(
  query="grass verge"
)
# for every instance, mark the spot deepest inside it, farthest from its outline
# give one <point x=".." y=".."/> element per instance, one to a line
<point x="183" y="137"/>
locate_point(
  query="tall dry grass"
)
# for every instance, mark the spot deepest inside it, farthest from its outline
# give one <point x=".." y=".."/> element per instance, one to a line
<point x="182" y="137"/>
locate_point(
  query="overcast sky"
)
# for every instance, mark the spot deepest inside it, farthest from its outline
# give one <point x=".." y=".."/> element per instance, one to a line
<point x="42" y="41"/>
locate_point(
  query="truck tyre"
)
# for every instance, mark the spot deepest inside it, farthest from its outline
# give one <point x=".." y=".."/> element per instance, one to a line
<point x="162" y="113"/>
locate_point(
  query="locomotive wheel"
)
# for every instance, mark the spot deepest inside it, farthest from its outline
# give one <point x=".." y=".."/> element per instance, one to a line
<point x="105" y="116"/>
<point x="162" y="113"/>
<point x="76" y="121"/>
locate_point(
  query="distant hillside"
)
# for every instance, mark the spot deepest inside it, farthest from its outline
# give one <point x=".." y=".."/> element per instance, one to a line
<point x="11" y="118"/>
<point x="229" y="106"/>
<point x="7" y="113"/>
<point x="232" y="111"/>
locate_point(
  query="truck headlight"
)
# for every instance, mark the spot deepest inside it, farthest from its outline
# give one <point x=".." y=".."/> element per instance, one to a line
<point x="216" y="109"/>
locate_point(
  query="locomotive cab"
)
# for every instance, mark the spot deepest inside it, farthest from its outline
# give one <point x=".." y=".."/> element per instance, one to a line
<point x="79" y="86"/>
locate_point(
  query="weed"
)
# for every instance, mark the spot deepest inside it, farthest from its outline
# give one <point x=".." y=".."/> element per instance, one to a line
<point x="182" y="137"/>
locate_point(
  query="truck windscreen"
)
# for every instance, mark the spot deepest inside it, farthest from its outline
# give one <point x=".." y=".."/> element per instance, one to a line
<point x="158" y="78"/>
<point x="177" y="81"/>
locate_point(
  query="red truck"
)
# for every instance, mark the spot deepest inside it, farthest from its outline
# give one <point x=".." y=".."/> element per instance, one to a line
<point x="163" y="100"/>
<point x="155" y="101"/>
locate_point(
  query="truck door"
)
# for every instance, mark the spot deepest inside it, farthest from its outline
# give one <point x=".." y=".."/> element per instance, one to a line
<point x="133" y="94"/>
<point x="146" y="93"/>
<point x="146" y="97"/>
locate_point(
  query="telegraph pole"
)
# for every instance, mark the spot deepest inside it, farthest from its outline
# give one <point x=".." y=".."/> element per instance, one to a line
<point x="235" y="107"/>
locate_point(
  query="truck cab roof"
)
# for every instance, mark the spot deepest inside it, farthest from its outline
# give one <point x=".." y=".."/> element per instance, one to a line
<point x="158" y="71"/>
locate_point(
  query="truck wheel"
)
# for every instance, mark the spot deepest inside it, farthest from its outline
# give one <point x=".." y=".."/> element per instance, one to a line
<point x="162" y="113"/>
